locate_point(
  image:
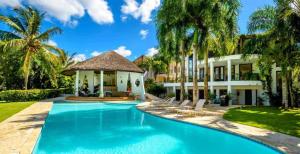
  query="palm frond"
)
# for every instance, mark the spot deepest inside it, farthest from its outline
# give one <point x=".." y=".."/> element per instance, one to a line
<point x="45" y="36"/>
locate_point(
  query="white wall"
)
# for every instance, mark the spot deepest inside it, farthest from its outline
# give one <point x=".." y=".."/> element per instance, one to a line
<point x="90" y="77"/>
<point x="122" y="78"/>
<point x="241" y="97"/>
<point x="133" y="78"/>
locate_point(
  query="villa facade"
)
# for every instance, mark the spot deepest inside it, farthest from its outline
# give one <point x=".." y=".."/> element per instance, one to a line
<point x="230" y="74"/>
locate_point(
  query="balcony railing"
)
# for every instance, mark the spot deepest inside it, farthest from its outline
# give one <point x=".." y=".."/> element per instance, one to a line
<point x="245" y="77"/>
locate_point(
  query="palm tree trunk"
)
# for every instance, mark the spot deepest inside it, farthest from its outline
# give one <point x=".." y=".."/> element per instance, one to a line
<point x="290" y="89"/>
<point x="176" y="71"/>
<point x="168" y="72"/>
<point x="26" y="69"/>
<point x="206" y="76"/>
<point x="195" y="79"/>
<point x="182" y="79"/>
<point x="285" y="91"/>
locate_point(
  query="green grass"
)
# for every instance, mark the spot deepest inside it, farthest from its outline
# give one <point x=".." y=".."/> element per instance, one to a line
<point x="271" y="118"/>
<point x="9" y="109"/>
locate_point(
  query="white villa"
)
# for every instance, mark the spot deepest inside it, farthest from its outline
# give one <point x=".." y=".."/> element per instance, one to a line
<point x="107" y="75"/>
<point x="229" y="74"/>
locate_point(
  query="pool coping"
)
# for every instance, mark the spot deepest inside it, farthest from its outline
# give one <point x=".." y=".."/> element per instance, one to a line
<point x="216" y="129"/>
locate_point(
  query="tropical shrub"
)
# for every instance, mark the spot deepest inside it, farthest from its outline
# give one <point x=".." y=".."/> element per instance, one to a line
<point x="171" y="95"/>
<point x="156" y="89"/>
<point x="30" y="95"/>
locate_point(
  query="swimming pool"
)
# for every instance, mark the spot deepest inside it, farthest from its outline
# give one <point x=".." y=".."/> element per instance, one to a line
<point x="122" y="129"/>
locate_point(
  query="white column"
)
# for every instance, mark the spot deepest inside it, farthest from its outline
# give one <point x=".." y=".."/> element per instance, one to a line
<point x="211" y="66"/>
<point x="174" y="90"/>
<point x="101" y="84"/>
<point x="229" y="89"/>
<point x="77" y="83"/>
<point x="274" y="71"/>
<point x="143" y="88"/>
<point x="211" y="89"/>
<point x="229" y="70"/>
<point x="187" y="69"/>
<point x="211" y="71"/>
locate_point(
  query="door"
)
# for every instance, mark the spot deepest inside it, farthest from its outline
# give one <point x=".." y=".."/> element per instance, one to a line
<point x="248" y="97"/>
<point x="201" y="94"/>
<point x="177" y="94"/>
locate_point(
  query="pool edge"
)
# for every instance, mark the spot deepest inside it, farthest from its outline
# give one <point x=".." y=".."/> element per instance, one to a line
<point x="217" y="129"/>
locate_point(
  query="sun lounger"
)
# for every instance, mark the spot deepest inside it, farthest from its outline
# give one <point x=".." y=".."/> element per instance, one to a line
<point x="198" y="108"/>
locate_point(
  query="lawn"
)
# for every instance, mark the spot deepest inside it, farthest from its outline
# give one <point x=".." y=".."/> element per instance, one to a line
<point x="271" y="118"/>
<point x="9" y="109"/>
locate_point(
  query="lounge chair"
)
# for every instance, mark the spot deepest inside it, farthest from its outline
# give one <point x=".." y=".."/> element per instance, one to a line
<point x="174" y="107"/>
<point x="184" y="103"/>
<point x="197" y="110"/>
<point x="199" y="105"/>
<point x="168" y="101"/>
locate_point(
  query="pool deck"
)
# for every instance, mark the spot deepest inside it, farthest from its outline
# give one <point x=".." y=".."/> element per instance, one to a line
<point x="19" y="133"/>
<point x="212" y="117"/>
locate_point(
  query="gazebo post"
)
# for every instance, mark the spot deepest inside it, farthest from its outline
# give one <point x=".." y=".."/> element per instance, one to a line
<point x="143" y="88"/>
<point x="101" y="84"/>
<point x="77" y="83"/>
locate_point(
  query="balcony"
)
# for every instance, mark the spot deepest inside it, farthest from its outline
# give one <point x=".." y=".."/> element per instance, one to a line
<point x="245" y="77"/>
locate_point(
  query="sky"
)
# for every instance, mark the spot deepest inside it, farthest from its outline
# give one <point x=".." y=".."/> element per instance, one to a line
<point x="91" y="27"/>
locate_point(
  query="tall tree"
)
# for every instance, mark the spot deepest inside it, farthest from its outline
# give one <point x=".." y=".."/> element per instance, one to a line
<point x="279" y="28"/>
<point x="215" y="24"/>
<point x="171" y="21"/>
<point x="25" y="35"/>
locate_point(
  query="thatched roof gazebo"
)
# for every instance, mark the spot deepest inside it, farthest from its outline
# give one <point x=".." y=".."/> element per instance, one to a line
<point x="107" y="74"/>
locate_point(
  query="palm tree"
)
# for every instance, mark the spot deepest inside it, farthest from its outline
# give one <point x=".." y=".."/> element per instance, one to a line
<point x="216" y="23"/>
<point x="279" y="34"/>
<point x="25" y="36"/>
<point x="171" y="23"/>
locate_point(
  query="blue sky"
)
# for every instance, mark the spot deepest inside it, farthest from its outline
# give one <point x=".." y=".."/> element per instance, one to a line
<point x="91" y="27"/>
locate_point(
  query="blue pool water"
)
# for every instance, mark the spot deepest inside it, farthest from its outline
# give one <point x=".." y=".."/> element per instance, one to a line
<point x="122" y="129"/>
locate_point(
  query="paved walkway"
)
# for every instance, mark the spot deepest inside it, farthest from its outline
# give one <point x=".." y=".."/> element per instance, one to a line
<point x="212" y="117"/>
<point x="19" y="133"/>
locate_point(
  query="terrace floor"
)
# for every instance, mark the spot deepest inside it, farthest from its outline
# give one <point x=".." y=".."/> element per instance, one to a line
<point x="212" y="116"/>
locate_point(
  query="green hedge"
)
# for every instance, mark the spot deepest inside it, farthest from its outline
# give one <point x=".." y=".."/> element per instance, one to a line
<point x="30" y="95"/>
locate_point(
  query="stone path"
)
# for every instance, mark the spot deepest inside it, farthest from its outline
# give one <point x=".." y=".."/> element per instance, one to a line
<point x="285" y="143"/>
<point x="19" y="133"/>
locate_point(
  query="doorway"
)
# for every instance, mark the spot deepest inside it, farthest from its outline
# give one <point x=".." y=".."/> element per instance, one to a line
<point x="248" y="97"/>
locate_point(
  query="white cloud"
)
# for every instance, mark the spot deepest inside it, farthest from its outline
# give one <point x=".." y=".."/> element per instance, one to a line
<point x="51" y="42"/>
<point x="123" y="51"/>
<point x="124" y="18"/>
<point x="64" y="10"/>
<point x="79" y="57"/>
<point x="99" y="11"/>
<point x="144" y="33"/>
<point x="69" y="11"/>
<point x="151" y="52"/>
<point x="143" y="10"/>
<point x="10" y="3"/>
<point x="96" y="53"/>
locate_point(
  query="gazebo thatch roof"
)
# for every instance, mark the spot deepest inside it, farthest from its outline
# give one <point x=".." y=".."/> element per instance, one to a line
<point x="109" y="61"/>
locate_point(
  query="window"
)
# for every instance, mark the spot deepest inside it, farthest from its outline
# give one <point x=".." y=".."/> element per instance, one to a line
<point x="233" y="76"/>
<point x="190" y="65"/>
<point x="201" y="74"/>
<point x="245" y="71"/>
<point x="219" y="73"/>
<point x="279" y="83"/>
